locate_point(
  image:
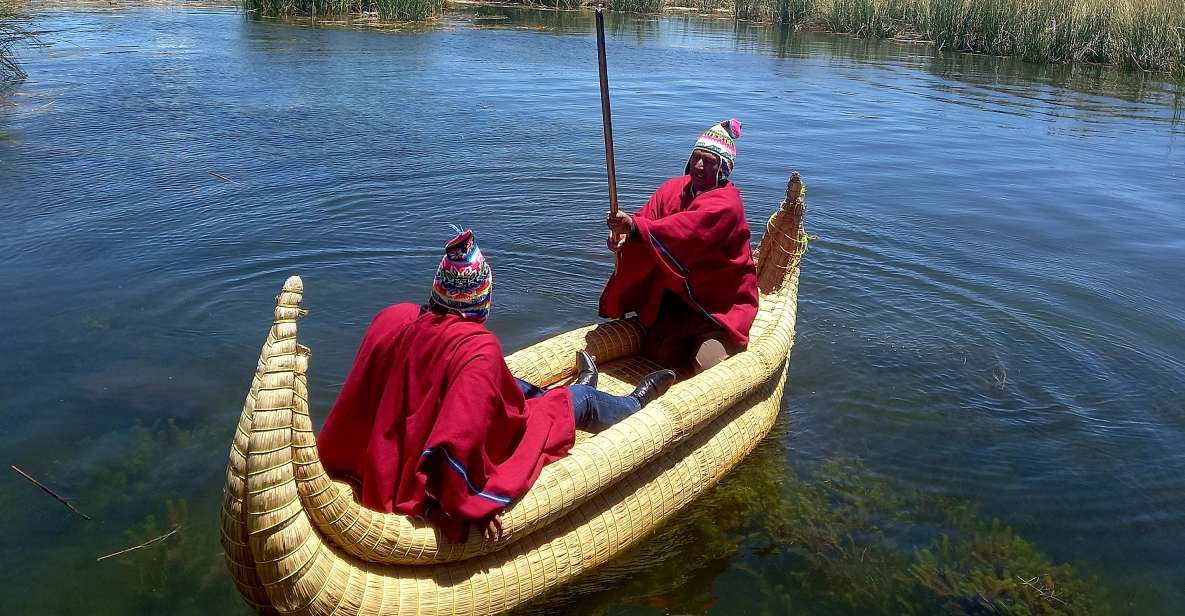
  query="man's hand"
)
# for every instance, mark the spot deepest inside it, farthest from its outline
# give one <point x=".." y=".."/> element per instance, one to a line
<point x="493" y="529"/>
<point x="616" y="241"/>
<point x="621" y="225"/>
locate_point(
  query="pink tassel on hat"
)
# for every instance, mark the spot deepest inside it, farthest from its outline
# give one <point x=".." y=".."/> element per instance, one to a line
<point x="733" y="126"/>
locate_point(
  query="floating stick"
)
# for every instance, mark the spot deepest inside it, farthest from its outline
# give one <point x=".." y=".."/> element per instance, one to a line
<point x="50" y="492"/>
<point x="142" y="545"/>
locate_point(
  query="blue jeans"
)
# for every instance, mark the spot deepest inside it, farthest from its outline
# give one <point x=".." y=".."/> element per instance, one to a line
<point x="595" y="410"/>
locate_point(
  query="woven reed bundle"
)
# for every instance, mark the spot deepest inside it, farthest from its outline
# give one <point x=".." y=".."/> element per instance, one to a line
<point x="607" y="496"/>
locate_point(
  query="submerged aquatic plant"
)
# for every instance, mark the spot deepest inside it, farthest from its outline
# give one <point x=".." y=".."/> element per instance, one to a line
<point x="838" y="538"/>
<point x="858" y="540"/>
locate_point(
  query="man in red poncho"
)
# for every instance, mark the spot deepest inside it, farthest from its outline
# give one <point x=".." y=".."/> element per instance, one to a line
<point x="684" y="264"/>
<point x="431" y="423"/>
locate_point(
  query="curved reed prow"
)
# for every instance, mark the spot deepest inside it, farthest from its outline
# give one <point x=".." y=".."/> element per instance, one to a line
<point x="271" y="387"/>
<point x="784" y="241"/>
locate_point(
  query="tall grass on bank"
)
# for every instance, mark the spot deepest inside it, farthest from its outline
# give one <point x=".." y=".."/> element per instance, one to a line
<point x="628" y="6"/>
<point x="781" y="11"/>
<point x="707" y="7"/>
<point x="636" y="6"/>
<point x="393" y="10"/>
<point x="1140" y="34"/>
<point x="553" y="4"/>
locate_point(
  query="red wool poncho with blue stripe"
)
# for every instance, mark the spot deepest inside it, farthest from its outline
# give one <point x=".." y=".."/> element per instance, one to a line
<point x="431" y="423"/>
<point x="694" y="246"/>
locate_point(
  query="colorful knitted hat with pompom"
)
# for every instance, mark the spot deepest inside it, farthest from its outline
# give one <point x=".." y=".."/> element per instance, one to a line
<point x="721" y="141"/>
<point x="464" y="283"/>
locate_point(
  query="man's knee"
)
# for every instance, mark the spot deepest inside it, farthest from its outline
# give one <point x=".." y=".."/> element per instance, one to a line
<point x="708" y="353"/>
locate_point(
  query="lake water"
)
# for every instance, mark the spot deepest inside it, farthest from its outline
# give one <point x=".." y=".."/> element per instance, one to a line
<point x="991" y="323"/>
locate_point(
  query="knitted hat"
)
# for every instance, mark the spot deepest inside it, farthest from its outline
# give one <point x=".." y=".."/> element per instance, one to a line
<point x="464" y="283"/>
<point x="721" y="141"/>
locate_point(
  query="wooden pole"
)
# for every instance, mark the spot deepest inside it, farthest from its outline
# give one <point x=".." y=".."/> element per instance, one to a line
<point x="606" y="114"/>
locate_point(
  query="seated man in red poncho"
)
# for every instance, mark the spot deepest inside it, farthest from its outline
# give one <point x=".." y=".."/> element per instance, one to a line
<point x="684" y="264"/>
<point x="431" y="423"/>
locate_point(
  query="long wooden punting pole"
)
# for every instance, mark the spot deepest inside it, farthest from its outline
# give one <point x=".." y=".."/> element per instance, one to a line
<point x="606" y="114"/>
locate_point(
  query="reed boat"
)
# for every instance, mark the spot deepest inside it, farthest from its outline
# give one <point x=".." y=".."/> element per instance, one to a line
<point x="296" y="541"/>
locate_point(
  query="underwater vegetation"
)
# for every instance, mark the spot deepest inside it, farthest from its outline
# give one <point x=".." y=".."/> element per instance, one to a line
<point x="833" y="538"/>
<point x="842" y="541"/>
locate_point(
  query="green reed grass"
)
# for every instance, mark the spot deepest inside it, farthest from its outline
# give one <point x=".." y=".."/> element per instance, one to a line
<point x="12" y="33"/>
<point x="1140" y="34"/>
<point x="635" y="6"/>
<point x="782" y="11"/>
<point x="628" y="6"/>
<point x="703" y="6"/>
<point x="394" y="10"/>
<point x="552" y="4"/>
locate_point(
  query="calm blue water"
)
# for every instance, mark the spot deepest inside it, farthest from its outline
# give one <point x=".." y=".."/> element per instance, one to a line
<point x="991" y="316"/>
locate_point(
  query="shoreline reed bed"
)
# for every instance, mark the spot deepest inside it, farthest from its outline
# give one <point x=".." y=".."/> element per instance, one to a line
<point x="391" y="10"/>
<point x="12" y="33"/>
<point x="1144" y="35"/>
<point x="628" y="6"/>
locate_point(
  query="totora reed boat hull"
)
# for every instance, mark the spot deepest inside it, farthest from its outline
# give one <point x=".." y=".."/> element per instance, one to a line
<point x="296" y="542"/>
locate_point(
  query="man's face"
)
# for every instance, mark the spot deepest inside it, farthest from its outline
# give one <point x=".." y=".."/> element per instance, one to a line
<point x="704" y="167"/>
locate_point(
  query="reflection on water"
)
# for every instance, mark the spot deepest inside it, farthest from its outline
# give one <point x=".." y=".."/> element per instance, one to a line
<point x="1010" y="76"/>
<point x="990" y="322"/>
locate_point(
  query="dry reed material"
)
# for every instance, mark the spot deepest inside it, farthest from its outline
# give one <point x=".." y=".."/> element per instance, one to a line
<point x="1144" y="35"/>
<point x="391" y="10"/>
<point x="612" y="489"/>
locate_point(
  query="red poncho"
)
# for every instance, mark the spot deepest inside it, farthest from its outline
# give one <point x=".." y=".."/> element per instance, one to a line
<point x="696" y="248"/>
<point x="431" y="423"/>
